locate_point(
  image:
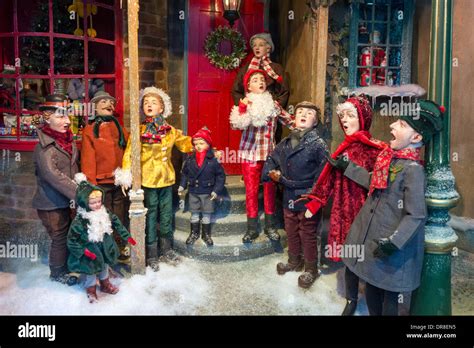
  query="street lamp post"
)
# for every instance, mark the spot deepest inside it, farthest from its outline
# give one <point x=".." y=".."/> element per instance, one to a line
<point x="433" y="297"/>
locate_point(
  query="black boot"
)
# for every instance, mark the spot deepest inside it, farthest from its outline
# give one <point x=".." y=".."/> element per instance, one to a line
<point x="60" y="274"/>
<point x="309" y="275"/>
<point x="270" y="230"/>
<point x="251" y="233"/>
<point x="152" y="257"/>
<point x="350" y="308"/>
<point x="194" y="234"/>
<point x="206" y="235"/>
<point x="167" y="254"/>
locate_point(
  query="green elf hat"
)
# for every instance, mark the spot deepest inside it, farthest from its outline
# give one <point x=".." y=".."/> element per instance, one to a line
<point x="84" y="190"/>
<point x="428" y="120"/>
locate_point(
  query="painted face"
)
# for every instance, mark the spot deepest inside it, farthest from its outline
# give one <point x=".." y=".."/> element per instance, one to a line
<point x="57" y="121"/>
<point x="152" y="106"/>
<point x="200" y="144"/>
<point x="95" y="203"/>
<point x="260" y="48"/>
<point x="305" y="118"/>
<point x="257" y="83"/>
<point x="105" y="107"/>
<point x="403" y="135"/>
<point x="349" y="121"/>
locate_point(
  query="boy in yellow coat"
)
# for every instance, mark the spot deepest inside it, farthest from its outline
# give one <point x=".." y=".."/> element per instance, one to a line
<point x="158" y="174"/>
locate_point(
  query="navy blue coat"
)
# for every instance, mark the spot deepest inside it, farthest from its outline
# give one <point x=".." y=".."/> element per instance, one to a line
<point x="300" y="167"/>
<point x="209" y="178"/>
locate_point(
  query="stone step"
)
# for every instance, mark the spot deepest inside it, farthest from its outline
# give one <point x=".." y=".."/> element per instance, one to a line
<point x="228" y="248"/>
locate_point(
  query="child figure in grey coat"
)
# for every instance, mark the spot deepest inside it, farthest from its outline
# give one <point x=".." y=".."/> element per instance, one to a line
<point x="389" y="229"/>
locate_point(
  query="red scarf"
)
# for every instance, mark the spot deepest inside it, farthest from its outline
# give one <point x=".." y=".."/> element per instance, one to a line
<point x="265" y="62"/>
<point x="363" y="137"/>
<point x="64" y="140"/>
<point x="382" y="165"/>
<point x="200" y="156"/>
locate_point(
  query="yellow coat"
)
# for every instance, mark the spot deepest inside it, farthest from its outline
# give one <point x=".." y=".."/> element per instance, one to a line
<point x="157" y="169"/>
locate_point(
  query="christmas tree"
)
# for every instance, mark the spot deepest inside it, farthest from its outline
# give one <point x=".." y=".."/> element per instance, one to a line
<point x="68" y="54"/>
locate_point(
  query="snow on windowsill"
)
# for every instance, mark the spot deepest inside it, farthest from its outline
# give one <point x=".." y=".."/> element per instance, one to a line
<point x="409" y="90"/>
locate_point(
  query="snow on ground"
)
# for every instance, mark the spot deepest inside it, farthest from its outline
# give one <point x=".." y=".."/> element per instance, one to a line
<point x="193" y="288"/>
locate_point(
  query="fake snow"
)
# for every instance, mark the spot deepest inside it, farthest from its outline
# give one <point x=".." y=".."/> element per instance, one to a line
<point x="192" y="288"/>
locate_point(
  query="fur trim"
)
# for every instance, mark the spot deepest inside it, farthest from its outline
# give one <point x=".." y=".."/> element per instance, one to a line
<point x="79" y="177"/>
<point x="99" y="223"/>
<point x="123" y="177"/>
<point x="167" y="106"/>
<point x="346" y="106"/>
<point x="238" y="120"/>
<point x="262" y="108"/>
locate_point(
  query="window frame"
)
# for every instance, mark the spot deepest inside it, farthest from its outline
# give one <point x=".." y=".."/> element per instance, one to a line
<point x="51" y="76"/>
<point x="406" y="43"/>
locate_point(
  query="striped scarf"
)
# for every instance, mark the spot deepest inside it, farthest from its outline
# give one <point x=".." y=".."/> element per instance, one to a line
<point x="265" y="63"/>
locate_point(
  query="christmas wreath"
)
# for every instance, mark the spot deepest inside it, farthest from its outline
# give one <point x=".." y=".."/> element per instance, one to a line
<point x="221" y="61"/>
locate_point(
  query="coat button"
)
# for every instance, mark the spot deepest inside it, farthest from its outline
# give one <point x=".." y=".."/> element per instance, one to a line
<point x="164" y="159"/>
<point x="371" y="211"/>
<point x="163" y="148"/>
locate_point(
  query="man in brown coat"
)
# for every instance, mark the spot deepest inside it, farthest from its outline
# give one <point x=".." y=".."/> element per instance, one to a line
<point x="103" y="145"/>
<point x="56" y="159"/>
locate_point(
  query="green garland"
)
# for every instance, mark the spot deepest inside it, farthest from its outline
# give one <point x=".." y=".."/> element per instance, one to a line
<point x="211" y="48"/>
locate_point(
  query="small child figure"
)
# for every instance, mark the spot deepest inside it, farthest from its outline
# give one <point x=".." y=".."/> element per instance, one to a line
<point x="296" y="163"/>
<point x="206" y="178"/>
<point x="91" y="245"/>
<point x="256" y="115"/>
<point x="390" y="226"/>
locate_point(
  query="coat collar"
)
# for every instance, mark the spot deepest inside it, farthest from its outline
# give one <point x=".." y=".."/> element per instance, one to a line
<point x="209" y="156"/>
<point x="45" y="140"/>
<point x="308" y="137"/>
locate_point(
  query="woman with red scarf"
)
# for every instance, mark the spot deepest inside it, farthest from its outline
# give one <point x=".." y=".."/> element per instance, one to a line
<point x="355" y="118"/>
<point x="56" y="163"/>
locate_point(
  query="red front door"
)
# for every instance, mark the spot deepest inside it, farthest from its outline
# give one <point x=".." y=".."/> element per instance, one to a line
<point x="209" y="88"/>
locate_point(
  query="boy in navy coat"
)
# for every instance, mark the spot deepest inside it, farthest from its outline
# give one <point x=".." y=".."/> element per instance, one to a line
<point x="296" y="163"/>
<point x="206" y="178"/>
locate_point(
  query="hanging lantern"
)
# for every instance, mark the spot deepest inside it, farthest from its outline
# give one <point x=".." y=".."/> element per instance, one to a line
<point x="231" y="10"/>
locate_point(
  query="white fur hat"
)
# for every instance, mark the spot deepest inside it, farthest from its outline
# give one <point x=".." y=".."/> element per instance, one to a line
<point x="167" y="107"/>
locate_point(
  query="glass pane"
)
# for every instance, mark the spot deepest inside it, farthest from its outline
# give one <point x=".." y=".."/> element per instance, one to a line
<point x="6" y="23"/>
<point x="28" y="130"/>
<point x="379" y="34"/>
<point x="381" y="12"/>
<point x="33" y="15"/>
<point x="365" y="12"/>
<point x="34" y="54"/>
<point x="33" y="93"/>
<point x="396" y="24"/>
<point x="101" y="58"/>
<point x="364" y="56"/>
<point x="363" y="77"/>
<point x="395" y="56"/>
<point x="393" y="77"/>
<point x="8" y="126"/>
<point x="66" y="19"/>
<point x="364" y="30"/>
<point x="68" y="56"/>
<point x="7" y="55"/>
<point x="76" y="88"/>
<point x="379" y="59"/>
<point x="102" y="24"/>
<point x="7" y="94"/>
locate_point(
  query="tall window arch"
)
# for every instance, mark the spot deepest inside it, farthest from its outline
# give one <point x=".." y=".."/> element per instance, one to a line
<point x="56" y="46"/>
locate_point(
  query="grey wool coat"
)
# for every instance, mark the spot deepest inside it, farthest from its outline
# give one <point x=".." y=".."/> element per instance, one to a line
<point x="398" y="212"/>
<point x="54" y="170"/>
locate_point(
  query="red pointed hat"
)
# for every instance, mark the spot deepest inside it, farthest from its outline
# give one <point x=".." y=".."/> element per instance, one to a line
<point x="249" y="74"/>
<point x="204" y="133"/>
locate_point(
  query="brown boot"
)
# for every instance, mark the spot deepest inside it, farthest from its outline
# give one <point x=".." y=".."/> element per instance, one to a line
<point x="107" y="287"/>
<point x="92" y="294"/>
<point x="309" y="276"/>
<point x="295" y="264"/>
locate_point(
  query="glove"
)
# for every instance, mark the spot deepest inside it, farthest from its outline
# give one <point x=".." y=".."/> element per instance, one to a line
<point x="180" y="190"/>
<point x="275" y="175"/>
<point x="243" y="105"/>
<point x="341" y="162"/>
<point x="90" y="254"/>
<point x="213" y="196"/>
<point x="308" y="214"/>
<point x="385" y="247"/>
<point x="131" y="241"/>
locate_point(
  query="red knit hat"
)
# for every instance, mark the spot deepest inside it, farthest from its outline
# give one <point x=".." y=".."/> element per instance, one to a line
<point x="249" y="74"/>
<point x="204" y="133"/>
<point x="364" y="110"/>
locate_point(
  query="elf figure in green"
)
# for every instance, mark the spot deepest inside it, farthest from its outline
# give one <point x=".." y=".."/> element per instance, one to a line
<point x="91" y="245"/>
